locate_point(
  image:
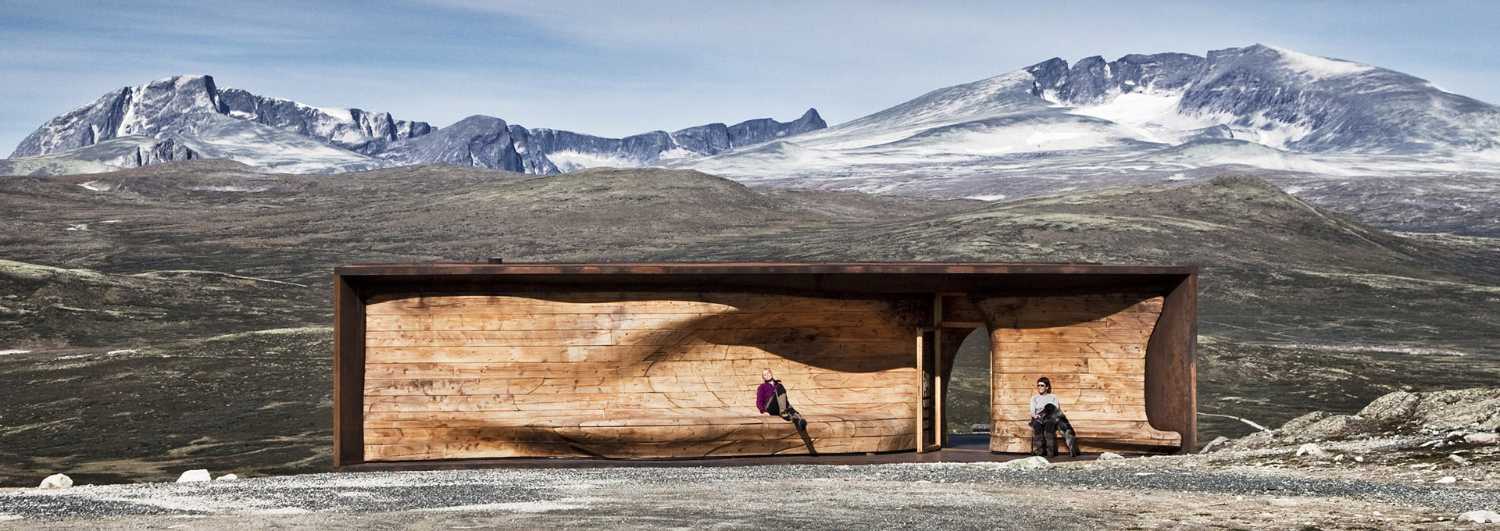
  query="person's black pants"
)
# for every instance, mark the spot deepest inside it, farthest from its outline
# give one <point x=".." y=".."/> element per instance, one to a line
<point x="1044" y="433"/>
<point x="780" y="408"/>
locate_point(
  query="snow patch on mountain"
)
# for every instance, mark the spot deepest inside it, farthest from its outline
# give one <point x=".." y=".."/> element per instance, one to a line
<point x="569" y="160"/>
<point x="1150" y="116"/>
<point x="1319" y="68"/>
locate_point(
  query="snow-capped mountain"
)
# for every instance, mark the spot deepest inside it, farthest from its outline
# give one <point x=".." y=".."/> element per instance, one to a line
<point x="1140" y="116"/>
<point x="1047" y="126"/>
<point x="193" y="111"/>
<point x="195" y="118"/>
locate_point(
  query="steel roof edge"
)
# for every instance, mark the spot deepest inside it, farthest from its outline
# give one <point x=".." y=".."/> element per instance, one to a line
<point x="668" y="268"/>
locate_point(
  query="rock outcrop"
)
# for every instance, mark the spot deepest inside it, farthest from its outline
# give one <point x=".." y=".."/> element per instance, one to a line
<point x="1459" y="415"/>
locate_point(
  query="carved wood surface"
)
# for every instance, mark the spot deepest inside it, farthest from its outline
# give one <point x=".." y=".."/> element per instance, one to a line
<point x="1092" y="347"/>
<point x="632" y="374"/>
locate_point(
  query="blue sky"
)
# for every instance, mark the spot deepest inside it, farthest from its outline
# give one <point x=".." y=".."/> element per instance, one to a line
<point x="617" y="68"/>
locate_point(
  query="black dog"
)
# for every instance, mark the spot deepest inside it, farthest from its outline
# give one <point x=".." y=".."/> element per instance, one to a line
<point x="1044" y="433"/>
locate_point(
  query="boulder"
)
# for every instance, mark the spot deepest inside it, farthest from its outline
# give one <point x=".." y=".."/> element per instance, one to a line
<point x="1458" y="459"/>
<point x="1482" y="439"/>
<point x="56" y="481"/>
<point x="1217" y="444"/>
<point x="227" y="477"/>
<point x="1392" y="409"/>
<point x="1313" y="450"/>
<point x="1438" y="411"/>
<point x="1030" y="463"/>
<point x="1110" y="456"/>
<point x="1446" y="480"/>
<point x="1335" y="427"/>
<point x="1293" y="428"/>
<point x="1480" y="517"/>
<point x="1257" y="439"/>
<point x="193" y="476"/>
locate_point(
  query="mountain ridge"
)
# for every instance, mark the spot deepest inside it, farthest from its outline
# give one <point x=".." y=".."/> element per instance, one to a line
<point x="1140" y="117"/>
<point x="1096" y="121"/>
<point x="173" y="109"/>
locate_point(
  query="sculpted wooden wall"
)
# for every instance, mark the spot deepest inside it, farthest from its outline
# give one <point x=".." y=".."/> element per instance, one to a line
<point x="1092" y="347"/>
<point x="632" y="374"/>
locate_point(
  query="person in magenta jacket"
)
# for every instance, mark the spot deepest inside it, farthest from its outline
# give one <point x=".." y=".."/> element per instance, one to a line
<point x="770" y="398"/>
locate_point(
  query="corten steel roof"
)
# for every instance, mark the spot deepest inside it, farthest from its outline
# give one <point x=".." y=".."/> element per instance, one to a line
<point x="846" y="277"/>
<point x="671" y="268"/>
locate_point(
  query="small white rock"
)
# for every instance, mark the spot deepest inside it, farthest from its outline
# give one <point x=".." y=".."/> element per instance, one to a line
<point x="56" y="481"/>
<point x="1110" y="456"/>
<point x="1445" y="480"/>
<point x="1480" y="517"/>
<point x="1458" y="459"/>
<point x="1359" y="459"/>
<point x="193" y="476"/>
<point x="1031" y="463"/>
<point x="1312" y="450"/>
<point x="1338" y="458"/>
<point x="227" y="477"/>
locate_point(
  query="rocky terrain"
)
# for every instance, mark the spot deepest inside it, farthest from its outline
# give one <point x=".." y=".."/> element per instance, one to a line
<point x="176" y="316"/>
<point x="1405" y="461"/>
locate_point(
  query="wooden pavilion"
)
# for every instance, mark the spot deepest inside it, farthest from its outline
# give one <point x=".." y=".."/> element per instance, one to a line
<point x="448" y="361"/>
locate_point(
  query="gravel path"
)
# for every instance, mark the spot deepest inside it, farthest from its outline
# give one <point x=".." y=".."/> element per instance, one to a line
<point x="1148" y="492"/>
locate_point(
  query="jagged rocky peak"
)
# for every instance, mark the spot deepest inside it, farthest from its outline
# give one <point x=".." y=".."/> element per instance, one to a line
<point x="765" y="129"/>
<point x="164" y="104"/>
<point x="715" y="138"/>
<point x="1163" y="71"/>
<point x="138" y="110"/>
<point x="478" y="141"/>
<point x="353" y="129"/>
<point x="1092" y="79"/>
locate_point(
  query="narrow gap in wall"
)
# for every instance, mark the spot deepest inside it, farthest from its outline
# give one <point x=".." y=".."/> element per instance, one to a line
<point x="967" y="400"/>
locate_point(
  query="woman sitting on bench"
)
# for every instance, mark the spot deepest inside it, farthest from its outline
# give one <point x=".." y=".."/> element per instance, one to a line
<point x="770" y="397"/>
<point x="1046" y="419"/>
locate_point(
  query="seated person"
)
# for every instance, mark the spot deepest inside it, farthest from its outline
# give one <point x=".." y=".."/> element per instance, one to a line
<point x="1046" y="419"/>
<point x="771" y="399"/>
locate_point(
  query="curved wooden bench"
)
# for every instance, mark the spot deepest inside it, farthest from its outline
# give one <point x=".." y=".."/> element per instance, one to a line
<point x="640" y="434"/>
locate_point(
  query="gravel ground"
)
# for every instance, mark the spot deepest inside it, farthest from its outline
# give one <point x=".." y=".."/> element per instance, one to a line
<point x="1163" y="492"/>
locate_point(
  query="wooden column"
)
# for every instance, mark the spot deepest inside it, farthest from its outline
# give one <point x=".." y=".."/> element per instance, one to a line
<point x="348" y="374"/>
<point x="939" y="433"/>
<point x="918" y="416"/>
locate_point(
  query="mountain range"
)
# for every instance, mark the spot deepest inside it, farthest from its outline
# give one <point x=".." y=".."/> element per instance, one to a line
<point x="1140" y="118"/>
<point x="1047" y="126"/>
<point x="190" y="117"/>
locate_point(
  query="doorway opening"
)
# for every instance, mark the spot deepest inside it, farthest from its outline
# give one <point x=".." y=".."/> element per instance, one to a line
<point x="966" y="399"/>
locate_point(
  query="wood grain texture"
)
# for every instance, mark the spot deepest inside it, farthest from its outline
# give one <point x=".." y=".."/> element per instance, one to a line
<point x="632" y="374"/>
<point x="1092" y="348"/>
